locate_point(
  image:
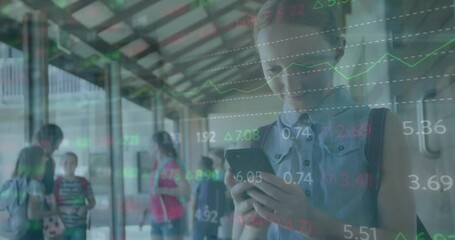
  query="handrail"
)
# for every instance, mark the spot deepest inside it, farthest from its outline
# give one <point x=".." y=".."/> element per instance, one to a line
<point x="421" y="111"/>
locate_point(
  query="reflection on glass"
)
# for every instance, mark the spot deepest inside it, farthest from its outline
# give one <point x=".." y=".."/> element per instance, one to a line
<point x="298" y="79"/>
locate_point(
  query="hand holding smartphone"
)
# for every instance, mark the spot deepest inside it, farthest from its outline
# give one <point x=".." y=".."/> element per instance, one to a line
<point x="247" y="164"/>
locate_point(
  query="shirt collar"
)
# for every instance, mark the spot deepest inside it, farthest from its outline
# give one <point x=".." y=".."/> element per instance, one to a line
<point x="338" y="101"/>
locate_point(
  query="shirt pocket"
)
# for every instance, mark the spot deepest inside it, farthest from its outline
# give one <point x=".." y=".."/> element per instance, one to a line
<point x="344" y="156"/>
<point x="344" y="165"/>
<point x="277" y="152"/>
<point x="344" y="176"/>
<point x="341" y="148"/>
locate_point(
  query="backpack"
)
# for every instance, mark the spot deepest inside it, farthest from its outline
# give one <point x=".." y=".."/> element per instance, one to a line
<point x="58" y="183"/>
<point x="373" y="151"/>
<point x="182" y="199"/>
<point x="211" y="202"/>
<point x="13" y="205"/>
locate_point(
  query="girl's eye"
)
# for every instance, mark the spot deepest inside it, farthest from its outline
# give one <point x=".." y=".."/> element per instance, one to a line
<point x="274" y="70"/>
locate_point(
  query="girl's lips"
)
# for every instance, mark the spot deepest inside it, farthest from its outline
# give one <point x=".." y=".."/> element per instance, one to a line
<point x="296" y="96"/>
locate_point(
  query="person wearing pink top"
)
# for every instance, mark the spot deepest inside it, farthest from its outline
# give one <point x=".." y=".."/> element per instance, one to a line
<point x="168" y="188"/>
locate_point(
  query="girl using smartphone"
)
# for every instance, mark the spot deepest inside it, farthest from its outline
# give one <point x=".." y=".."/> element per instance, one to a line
<point x="314" y="194"/>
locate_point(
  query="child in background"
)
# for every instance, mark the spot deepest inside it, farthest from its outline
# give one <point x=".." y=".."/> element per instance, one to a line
<point x="168" y="189"/>
<point x="225" y="229"/>
<point x="74" y="198"/>
<point x="209" y="203"/>
<point x="27" y="176"/>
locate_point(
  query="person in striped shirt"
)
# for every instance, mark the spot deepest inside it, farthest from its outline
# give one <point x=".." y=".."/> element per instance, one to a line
<point x="74" y="198"/>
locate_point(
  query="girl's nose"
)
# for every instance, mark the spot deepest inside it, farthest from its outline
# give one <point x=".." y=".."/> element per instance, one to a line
<point x="290" y="81"/>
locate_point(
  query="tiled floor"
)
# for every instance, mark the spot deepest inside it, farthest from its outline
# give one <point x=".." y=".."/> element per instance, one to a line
<point x="132" y="233"/>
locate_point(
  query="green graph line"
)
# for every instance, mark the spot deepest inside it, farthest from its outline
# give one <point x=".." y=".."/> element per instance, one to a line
<point x="210" y="83"/>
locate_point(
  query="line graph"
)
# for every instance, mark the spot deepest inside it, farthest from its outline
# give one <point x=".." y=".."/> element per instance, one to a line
<point x="448" y="100"/>
<point x="372" y="105"/>
<point x="405" y="15"/>
<point x="210" y="83"/>
<point x="215" y="69"/>
<point x="339" y="67"/>
<point x="429" y="77"/>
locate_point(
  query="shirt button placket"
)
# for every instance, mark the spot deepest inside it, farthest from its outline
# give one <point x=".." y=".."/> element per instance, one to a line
<point x="308" y="193"/>
<point x="307" y="156"/>
<point x="277" y="157"/>
<point x="307" y="178"/>
<point x="306" y="163"/>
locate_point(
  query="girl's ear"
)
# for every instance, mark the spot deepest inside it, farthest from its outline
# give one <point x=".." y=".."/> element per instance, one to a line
<point x="340" y="49"/>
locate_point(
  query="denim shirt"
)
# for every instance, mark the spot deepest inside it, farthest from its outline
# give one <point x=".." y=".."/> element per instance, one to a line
<point x="322" y="150"/>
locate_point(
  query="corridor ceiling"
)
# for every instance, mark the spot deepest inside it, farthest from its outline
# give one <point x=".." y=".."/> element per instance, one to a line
<point x="188" y="50"/>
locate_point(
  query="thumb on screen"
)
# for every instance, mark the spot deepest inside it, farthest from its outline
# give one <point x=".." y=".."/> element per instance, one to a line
<point x="229" y="178"/>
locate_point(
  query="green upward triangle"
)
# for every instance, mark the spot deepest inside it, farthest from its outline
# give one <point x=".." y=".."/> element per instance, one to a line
<point x="318" y="5"/>
<point x="400" y="236"/>
<point x="228" y="137"/>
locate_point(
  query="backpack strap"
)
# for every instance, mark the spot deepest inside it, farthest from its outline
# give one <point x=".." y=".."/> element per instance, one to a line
<point x="374" y="143"/>
<point x="83" y="182"/>
<point x="160" y="168"/>
<point x="373" y="152"/>
<point x="158" y="171"/>
<point x="263" y="132"/>
<point x="58" y="183"/>
<point x="156" y="178"/>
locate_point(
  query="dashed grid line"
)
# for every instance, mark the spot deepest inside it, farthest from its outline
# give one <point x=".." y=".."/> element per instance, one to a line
<point x="327" y="50"/>
<point x="329" y="88"/>
<point x="339" y="67"/>
<point x="212" y="84"/>
<point x="327" y="108"/>
<point x="323" y="32"/>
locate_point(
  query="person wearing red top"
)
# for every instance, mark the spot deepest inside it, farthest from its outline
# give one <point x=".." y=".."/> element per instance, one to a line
<point x="167" y="189"/>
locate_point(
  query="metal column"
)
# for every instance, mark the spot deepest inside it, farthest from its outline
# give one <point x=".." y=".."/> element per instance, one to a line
<point x="36" y="84"/>
<point x="186" y="134"/>
<point x="159" y="112"/>
<point x="205" y="128"/>
<point x="114" y="120"/>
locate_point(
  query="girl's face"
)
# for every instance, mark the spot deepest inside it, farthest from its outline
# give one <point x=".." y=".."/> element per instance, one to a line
<point x="296" y="70"/>
<point x="154" y="150"/>
<point x="49" y="149"/>
<point x="69" y="165"/>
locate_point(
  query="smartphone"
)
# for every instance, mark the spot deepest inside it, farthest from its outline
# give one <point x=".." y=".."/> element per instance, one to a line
<point x="247" y="164"/>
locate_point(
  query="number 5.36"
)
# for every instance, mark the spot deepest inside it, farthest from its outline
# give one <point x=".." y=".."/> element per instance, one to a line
<point x="425" y="126"/>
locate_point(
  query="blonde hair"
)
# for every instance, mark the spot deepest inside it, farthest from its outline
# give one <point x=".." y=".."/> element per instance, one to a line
<point x="28" y="162"/>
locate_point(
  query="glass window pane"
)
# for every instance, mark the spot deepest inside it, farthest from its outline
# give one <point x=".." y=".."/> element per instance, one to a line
<point x="79" y="108"/>
<point x="12" y="119"/>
